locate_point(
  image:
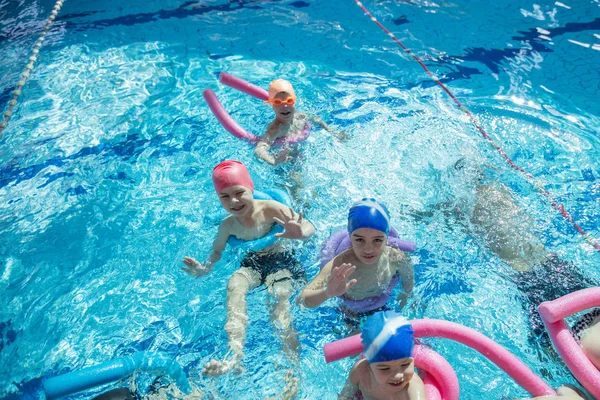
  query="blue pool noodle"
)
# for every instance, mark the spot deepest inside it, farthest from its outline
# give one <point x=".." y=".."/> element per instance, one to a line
<point x="110" y="371"/>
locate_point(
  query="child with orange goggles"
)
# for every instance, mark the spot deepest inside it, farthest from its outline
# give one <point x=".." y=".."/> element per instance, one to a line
<point x="287" y="123"/>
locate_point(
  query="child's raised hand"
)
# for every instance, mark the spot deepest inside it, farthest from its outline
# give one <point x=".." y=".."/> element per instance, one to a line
<point x="282" y="156"/>
<point x="292" y="225"/>
<point x="338" y="284"/>
<point x="194" y="268"/>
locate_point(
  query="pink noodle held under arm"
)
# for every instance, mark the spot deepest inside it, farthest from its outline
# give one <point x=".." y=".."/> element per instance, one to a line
<point x="552" y="313"/>
<point x="432" y="391"/>
<point x="514" y="367"/>
<point x="243" y="86"/>
<point x="225" y="119"/>
<point x="443" y="383"/>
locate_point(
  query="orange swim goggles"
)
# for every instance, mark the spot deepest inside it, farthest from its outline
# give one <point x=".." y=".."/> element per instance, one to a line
<point x="290" y="101"/>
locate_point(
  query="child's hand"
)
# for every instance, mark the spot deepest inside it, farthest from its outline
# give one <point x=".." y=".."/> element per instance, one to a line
<point x="336" y="284"/>
<point x="194" y="268"/>
<point x="292" y="225"/>
<point x="282" y="156"/>
<point x="402" y="299"/>
<point x="341" y="136"/>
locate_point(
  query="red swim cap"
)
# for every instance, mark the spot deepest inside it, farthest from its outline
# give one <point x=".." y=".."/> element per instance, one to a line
<point x="231" y="173"/>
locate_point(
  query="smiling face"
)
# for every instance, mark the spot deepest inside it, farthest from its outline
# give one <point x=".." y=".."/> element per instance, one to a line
<point x="285" y="112"/>
<point x="394" y="375"/>
<point x="237" y="200"/>
<point x="368" y="244"/>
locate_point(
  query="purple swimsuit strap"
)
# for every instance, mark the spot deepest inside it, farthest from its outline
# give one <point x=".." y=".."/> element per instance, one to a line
<point x="295" y="138"/>
<point x="371" y="303"/>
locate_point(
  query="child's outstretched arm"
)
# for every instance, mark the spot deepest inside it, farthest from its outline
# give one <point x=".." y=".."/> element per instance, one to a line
<point x="338" y="134"/>
<point x="195" y="268"/>
<point x="406" y="270"/>
<point x="262" y="150"/>
<point x="330" y="282"/>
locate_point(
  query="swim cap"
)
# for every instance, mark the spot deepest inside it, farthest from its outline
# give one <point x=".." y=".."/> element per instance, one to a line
<point x="368" y="213"/>
<point x="278" y="86"/>
<point x="387" y="336"/>
<point x="231" y="173"/>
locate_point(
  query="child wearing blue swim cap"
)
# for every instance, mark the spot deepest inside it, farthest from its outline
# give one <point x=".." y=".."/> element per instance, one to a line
<point x="364" y="275"/>
<point x="388" y="369"/>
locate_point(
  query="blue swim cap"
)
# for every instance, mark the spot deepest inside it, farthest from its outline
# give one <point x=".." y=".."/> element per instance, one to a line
<point x="369" y="213"/>
<point x="387" y="336"/>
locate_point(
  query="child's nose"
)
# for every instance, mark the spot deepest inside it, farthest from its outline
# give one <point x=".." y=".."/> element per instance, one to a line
<point x="399" y="375"/>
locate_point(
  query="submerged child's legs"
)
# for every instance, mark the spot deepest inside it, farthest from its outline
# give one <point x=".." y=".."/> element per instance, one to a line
<point x="240" y="283"/>
<point x="279" y="285"/>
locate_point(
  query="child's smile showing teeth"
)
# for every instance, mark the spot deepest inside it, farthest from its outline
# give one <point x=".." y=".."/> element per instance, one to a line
<point x="238" y="208"/>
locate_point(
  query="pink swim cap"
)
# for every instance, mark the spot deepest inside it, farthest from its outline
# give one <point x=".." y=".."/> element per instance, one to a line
<point x="231" y="173"/>
<point x="278" y="86"/>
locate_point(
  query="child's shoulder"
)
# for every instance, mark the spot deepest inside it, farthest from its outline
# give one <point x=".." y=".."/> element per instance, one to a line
<point x="271" y="204"/>
<point x="271" y="207"/>
<point x="396" y="255"/>
<point x="228" y="222"/>
<point x="360" y="371"/>
<point x="300" y="115"/>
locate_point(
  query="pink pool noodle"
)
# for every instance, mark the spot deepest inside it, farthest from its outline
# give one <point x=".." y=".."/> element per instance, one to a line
<point x="440" y="380"/>
<point x="243" y="86"/>
<point x="514" y="367"/>
<point x="225" y="119"/>
<point x="552" y="313"/>
<point x="432" y="391"/>
<point x="504" y="359"/>
<point x="343" y="348"/>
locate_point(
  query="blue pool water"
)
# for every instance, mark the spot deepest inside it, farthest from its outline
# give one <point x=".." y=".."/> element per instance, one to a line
<point x="105" y="171"/>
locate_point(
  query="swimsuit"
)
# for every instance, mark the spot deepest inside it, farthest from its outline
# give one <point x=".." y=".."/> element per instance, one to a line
<point x="584" y="323"/>
<point x="552" y="279"/>
<point x="356" y="311"/>
<point x="370" y="303"/>
<point x="268" y="263"/>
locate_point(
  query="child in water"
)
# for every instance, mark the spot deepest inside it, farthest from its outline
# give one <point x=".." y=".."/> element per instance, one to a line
<point x="364" y="275"/>
<point x="506" y="229"/>
<point x="287" y="123"/>
<point x="275" y="266"/>
<point x="388" y="370"/>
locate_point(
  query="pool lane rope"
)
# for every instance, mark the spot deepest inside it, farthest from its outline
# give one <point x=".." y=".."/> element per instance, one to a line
<point x="25" y="75"/>
<point x="536" y="183"/>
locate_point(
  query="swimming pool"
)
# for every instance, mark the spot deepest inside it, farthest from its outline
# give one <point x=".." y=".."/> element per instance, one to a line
<point x="105" y="170"/>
